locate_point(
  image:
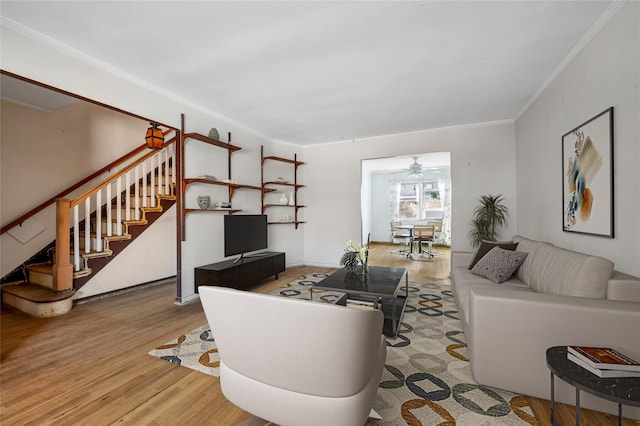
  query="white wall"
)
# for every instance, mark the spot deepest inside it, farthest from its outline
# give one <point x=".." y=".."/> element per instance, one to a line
<point x="605" y="73"/>
<point x="482" y="161"/>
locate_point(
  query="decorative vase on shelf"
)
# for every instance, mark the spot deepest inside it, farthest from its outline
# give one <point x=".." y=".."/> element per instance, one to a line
<point x="204" y="201"/>
<point x="213" y="134"/>
<point x="292" y="201"/>
<point x="283" y="199"/>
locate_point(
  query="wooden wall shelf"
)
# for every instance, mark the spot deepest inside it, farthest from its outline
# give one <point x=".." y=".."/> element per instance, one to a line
<point x="295" y="185"/>
<point x="230" y="211"/>
<point x="232" y="187"/>
<point x="205" y="139"/>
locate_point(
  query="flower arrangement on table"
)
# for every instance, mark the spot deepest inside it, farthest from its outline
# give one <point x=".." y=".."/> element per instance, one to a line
<point x="355" y="255"/>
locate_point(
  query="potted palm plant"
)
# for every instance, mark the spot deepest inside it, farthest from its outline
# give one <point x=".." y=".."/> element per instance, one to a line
<point x="488" y="217"/>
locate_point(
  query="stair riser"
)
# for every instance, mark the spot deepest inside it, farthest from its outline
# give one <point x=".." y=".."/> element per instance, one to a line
<point x="38" y="310"/>
<point x="40" y="278"/>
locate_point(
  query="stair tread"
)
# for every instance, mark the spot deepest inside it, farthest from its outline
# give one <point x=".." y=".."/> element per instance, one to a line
<point x="37" y="293"/>
<point x="45" y="268"/>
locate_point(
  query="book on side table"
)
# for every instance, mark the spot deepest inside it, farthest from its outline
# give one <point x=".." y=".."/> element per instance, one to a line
<point x="603" y="362"/>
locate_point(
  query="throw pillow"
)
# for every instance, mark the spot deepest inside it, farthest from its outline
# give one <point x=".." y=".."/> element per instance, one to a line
<point x="486" y="245"/>
<point x="499" y="264"/>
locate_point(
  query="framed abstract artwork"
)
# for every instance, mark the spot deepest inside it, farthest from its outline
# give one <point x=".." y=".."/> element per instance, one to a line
<point x="587" y="177"/>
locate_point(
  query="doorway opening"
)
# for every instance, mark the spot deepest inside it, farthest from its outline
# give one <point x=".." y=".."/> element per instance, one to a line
<point x="412" y="189"/>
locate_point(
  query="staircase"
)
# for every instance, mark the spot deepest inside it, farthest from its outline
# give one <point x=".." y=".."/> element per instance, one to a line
<point x="90" y="232"/>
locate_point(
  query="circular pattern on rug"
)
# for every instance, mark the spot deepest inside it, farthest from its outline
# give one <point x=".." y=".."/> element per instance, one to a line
<point x="207" y="336"/>
<point x="414" y="385"/>
<point x="414" y="404"/>
<point x="207" y="360"/>
<point x="481" y="399"/>
<point x="428" y="363"/>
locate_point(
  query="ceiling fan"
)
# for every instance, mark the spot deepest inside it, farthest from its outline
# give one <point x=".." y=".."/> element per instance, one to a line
<point x="414" y="169"/>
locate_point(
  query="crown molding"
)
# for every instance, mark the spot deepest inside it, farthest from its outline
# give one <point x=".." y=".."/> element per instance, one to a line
<point x="613" y="8"/>
<point x="117" y="72"/>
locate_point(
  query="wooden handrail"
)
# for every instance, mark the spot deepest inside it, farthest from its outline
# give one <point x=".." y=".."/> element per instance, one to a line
<point x="75" y="186"/>
<point x="113" y="178"/>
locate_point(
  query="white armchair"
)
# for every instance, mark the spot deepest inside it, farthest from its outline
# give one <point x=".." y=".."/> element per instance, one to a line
<point x="295" y="362"/>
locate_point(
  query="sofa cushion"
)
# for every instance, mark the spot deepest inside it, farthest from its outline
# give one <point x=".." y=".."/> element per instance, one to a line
<point x="486" y="246"/>
<point x="499" y="264"/>
<point x="554" y="270"/>
<point x="463" y="281"/>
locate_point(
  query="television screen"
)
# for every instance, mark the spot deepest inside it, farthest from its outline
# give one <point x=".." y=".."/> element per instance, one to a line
<point x="244" y="233"/>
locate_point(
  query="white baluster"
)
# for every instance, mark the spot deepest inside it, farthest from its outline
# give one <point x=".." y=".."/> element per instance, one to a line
<point x="87" y="225"/>
<point x="166" y="170"/>
<point x="144" y="184"/>
<point x="152" y="181"/>
<point x="99" y="220"/>
<point x="137" y="193"/>
<point x="160" y="184"/>
<point x="127" y="197"/>
<point x="76" y="239"/>
<point x="119" y="206"/>
<point x="109" y="213"/>
<point x="173" y="162"/>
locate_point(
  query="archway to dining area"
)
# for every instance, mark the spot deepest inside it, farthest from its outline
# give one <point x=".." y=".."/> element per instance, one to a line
<point x="410" y="190"/>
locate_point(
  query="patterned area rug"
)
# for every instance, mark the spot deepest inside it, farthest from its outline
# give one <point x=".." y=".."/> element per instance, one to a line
<point x="427" y="379"/>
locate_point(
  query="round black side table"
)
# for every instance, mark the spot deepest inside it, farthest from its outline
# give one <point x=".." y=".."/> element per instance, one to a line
<point x="623" y="390"/>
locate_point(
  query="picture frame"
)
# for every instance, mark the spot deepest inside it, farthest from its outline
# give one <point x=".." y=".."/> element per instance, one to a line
<point x="587" y="177"/>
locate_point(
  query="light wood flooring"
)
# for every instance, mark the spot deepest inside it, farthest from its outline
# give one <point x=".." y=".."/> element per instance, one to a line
<point x="90" y="367"/>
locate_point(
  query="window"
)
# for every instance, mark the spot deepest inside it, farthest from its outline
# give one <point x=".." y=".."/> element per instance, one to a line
<point x="419" y="201"/>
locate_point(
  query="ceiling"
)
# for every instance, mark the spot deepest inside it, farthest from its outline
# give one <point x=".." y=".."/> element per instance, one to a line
<point x="311" y="72"/>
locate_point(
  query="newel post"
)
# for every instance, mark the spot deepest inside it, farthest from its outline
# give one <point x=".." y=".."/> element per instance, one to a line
<point x="62" y="267"/>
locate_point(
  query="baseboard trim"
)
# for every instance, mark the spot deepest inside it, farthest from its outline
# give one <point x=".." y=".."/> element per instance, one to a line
<point x="162" y="281"/>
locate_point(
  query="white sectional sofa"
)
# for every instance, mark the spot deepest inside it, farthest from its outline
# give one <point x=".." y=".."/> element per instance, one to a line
<point x="556" y="297"/>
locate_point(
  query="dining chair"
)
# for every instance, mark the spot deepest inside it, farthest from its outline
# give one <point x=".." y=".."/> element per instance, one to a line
<point x="423" y="234"/>
<point x="402" y="234"/>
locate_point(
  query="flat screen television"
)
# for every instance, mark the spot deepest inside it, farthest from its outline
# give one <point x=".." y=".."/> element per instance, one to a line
<point x="244" y="233"/>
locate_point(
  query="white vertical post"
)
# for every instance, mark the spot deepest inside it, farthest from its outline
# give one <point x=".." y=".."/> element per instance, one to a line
<point x="137" y="193"/>
<point x="87" y="225"/>
<point x="127" y="197"/>
<point x="152" y="181"/>
<point x="99" y="220"/>
<point x="76" y="239"/>
<point x="144" y="184"/>
<point x="109" y="213"/>
<point x="166" y="171"/>
<point x="173" y="163"/>
<point x="160" y="184"/>
<point x="119" y="206"/>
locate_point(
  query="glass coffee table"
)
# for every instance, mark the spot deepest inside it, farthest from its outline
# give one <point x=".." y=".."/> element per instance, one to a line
<point x="382" y="286"/>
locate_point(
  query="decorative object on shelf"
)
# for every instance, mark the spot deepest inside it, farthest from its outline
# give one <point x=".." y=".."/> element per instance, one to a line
<point x="292" y="201"/>
<point x="355" y="255"/>
<point x="283" y="199"/>
<point x="225" y="204"/>
<point x="154" y="137"/>
<point x="204" y="201"/>
<point x="210" y="177"/>
<point x="487" y="218"/>
<point x="280" y="180"/>
<point x="286" y="219"/>
<point x="213" y="134"/>
<point x="587" y="177"/>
